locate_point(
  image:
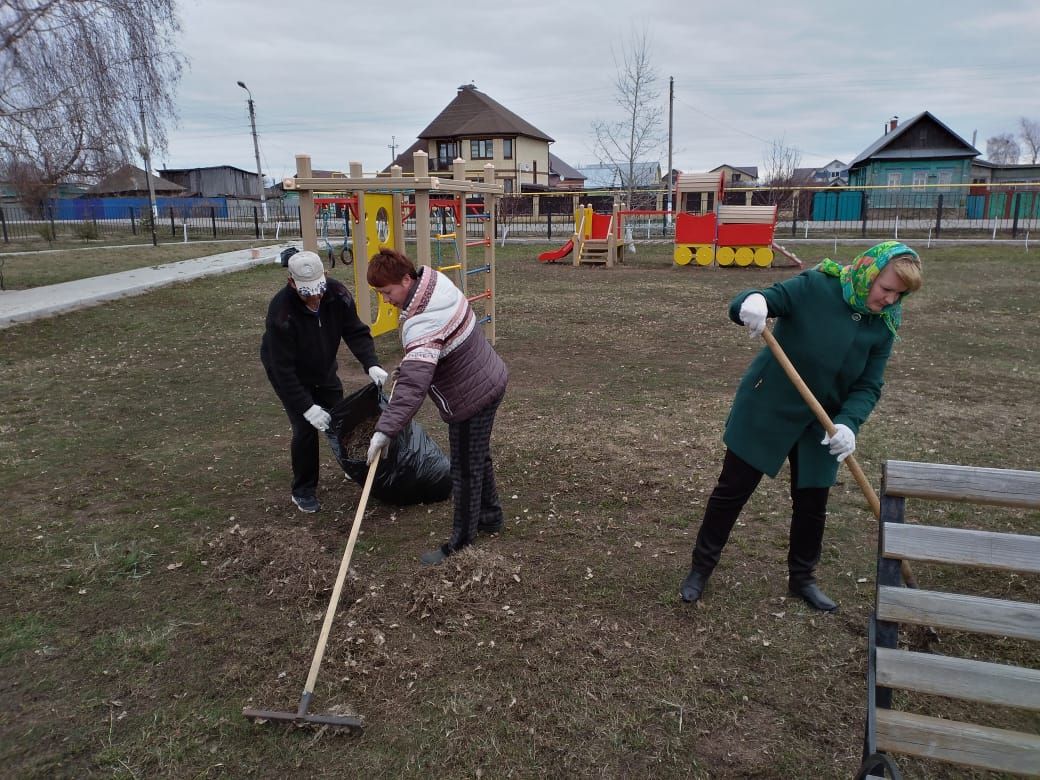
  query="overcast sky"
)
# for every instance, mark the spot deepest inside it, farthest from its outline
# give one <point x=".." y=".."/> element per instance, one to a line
<point x="342" y="81"/>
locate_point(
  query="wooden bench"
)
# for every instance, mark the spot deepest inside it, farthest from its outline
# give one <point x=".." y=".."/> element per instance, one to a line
<point x="999" y="688"/>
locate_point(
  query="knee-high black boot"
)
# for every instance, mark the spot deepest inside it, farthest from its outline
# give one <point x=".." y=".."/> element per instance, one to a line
<point x="808" y="518"/>
<point x="737" y="482"/>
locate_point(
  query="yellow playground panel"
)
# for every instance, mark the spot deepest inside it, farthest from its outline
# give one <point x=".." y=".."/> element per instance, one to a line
<point x="382" y="227"/>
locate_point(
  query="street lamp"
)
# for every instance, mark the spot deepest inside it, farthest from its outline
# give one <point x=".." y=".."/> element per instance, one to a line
<point x="256" y="150"/>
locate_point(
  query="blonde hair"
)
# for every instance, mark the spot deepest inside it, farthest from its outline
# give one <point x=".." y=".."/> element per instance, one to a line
<point x="908" y="269"/>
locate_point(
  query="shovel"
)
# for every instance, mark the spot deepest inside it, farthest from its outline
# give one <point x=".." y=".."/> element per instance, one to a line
<point x="828" y="425"/>
<point x="348" y="723"/>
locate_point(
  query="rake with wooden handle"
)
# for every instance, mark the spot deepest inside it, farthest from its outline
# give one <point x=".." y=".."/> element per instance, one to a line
<point x="349" y="723"/>
<point x="828" y="425"/>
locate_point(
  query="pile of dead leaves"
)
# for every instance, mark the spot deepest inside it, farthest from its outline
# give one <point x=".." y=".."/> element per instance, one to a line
<point x="471" y="580"/>
<point x="290" y="563"/>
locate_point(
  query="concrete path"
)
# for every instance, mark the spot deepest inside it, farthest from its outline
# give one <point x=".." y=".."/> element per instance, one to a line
<point x="18" y="306"/>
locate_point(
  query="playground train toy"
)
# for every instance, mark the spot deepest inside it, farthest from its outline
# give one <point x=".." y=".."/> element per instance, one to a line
<point x="707" y="232"/>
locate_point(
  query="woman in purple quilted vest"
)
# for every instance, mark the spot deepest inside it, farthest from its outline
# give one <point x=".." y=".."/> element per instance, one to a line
<point x="448" y="358"/>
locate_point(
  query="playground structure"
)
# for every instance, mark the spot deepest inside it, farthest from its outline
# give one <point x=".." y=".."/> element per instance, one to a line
<point x="596" y="239"/>
<point x="707" y="232"/>
<point x="377" y="208"/>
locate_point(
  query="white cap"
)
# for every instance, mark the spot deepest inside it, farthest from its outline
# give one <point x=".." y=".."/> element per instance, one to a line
<point x="308" y="273"/>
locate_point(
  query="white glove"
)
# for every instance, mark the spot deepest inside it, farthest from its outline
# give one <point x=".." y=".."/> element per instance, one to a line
<point x="318" y="417"/>
<point x="843" y="442"/>
<point x="753" y="313"/>
<point x="377" y="375"/>
<point x="378" y="447"/>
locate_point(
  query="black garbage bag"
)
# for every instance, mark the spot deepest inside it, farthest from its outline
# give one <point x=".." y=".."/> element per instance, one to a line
<point x="415" y="470"/>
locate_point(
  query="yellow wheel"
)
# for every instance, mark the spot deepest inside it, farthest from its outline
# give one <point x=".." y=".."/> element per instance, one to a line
<point x="744" y="256"/>
<point x="763" y="256"/>
<point x="682" y="255"/>
<point x="725" y="255"/>
<point x="705" y="255"/>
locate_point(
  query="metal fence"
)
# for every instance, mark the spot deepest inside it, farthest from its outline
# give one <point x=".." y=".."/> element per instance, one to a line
<point x="977" y="211"/>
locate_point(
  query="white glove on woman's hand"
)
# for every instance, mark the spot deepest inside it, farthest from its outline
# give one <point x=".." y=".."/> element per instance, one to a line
<point x="377" y="375"/>
<point x="753" y="313"/>
<point x="318" y="417"/>
<point x="843" y="442"/>
<point x="378" y="447"/>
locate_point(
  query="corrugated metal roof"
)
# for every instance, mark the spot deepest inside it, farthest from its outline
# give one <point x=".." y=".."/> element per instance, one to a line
<point x="208" y="168"/>
<point x="606" y="176"/>
<point x="472" y="113"/>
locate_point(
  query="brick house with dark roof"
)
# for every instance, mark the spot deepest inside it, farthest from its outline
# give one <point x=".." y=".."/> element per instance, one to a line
<point x="480" y="130"/>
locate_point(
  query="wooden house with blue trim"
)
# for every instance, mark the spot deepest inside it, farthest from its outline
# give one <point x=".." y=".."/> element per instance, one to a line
<point x="922" y="153"/>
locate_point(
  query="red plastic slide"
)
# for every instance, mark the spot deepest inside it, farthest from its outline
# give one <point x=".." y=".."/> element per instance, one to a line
<point x="557" y="254"/>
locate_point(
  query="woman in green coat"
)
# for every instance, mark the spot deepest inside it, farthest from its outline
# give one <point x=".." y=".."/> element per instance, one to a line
<point x="837" y="325"/>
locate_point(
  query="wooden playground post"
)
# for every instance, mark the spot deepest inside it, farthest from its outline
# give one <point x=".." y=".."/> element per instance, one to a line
<point x="396" y="172"/>
<point x="361" y="253"/>
<point x="612" y="242"/>
<point x="423" y="255"/>
<point x="308" y="232"/>
<point x="489" y="250"/>
<point x="458" y="172"/>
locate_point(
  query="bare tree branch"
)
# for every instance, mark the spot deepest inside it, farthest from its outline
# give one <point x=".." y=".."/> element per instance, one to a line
<point x="637" y="135"/>
<point x="1002" y="149"/>
<point x="1030" y="131"/>
<point x="781" y="161"/>
<point x="75" y="74"/>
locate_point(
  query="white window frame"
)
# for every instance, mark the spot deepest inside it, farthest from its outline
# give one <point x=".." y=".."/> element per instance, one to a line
<point x="920" y="178"/>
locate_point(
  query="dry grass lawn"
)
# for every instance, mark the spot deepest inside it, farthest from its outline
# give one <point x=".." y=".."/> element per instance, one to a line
<point x="157" y="579"/>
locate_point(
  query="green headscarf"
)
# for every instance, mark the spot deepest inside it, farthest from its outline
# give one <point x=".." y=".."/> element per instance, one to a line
<point x="857" y="277"/>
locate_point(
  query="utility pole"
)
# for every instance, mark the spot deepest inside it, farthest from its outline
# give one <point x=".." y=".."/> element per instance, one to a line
<point x="146" y="154"/>
<point x="256" y="152"/>
<point x="671" y="178"/>
<point x="392" y="146"/>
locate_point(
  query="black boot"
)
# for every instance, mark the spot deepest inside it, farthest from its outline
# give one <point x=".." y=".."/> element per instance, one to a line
<point x="693" y="586"/>
<point x="810" y="593"/>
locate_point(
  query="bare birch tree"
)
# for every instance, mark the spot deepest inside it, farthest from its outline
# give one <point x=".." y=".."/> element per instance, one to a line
<point x="1002" y="149"/>
<point x="781" y="161"/>
<point x="75" y="75"/>
<point x="637" y="134"/>
<point x="1030" y="132"/>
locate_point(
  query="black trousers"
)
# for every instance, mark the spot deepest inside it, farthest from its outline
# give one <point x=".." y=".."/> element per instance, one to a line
<point x="304" y="449"/>
<point x="737" y="482"/>
<point x="473" y="478"/>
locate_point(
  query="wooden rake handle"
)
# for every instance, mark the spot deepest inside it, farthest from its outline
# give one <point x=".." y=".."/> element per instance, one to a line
<point x="337" y="589"/>
<point x="828" y="425"/>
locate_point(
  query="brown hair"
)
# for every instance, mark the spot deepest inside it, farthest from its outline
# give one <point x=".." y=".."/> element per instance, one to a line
<point x="908" y="269"/>
<point x="388" y="266"/>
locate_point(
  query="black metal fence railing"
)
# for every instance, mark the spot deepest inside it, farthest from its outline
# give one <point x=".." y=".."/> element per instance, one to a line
<point x="977" y="211"/>
<point x="134" y="224"/>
